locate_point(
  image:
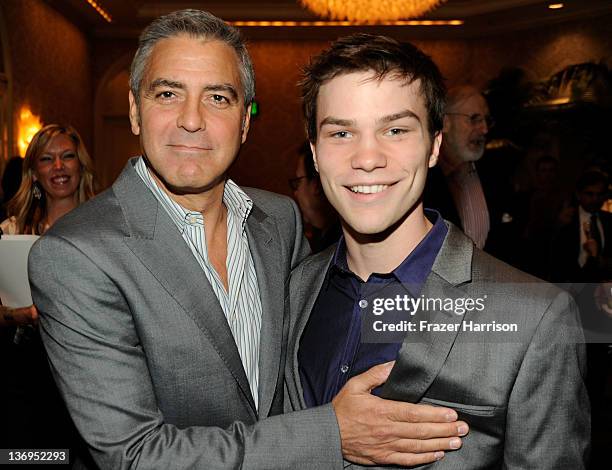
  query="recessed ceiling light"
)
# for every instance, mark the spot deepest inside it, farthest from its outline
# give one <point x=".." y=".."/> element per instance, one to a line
<point x="555" y="6"/>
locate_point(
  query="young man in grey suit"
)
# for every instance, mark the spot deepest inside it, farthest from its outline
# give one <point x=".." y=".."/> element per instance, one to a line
<point x="374" y="112"/>
<point x="162" y="300"/>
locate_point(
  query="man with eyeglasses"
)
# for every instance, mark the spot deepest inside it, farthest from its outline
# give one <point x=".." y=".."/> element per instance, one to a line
<point x="454" y="187"/>
<point x="321" y="224"/>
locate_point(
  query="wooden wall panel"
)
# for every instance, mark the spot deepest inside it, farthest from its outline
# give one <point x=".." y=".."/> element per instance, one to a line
<point x="51" y="65"/>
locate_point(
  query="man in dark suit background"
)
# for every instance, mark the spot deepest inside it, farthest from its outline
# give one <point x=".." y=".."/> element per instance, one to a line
<point x="582" y="248"/>
<point x="321" y="221"/>
<point x="581" y="258"/>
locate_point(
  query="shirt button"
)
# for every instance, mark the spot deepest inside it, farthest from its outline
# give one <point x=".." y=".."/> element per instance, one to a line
<point x="344" y="369"/>
<point x="192" y="219"/>
<point x="363" y="303"/>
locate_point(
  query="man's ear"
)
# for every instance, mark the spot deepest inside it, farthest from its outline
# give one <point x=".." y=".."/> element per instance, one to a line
<point x="435" y="149"/>
<point x="134" y="114"/>
<point x="314" y="156"/>
<point x="246" y="123"/>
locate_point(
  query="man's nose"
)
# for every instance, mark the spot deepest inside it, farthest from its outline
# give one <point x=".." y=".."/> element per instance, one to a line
<point x="192" y="115"/>
<point x="482" y="126"/>
<point x="368" y="155"/>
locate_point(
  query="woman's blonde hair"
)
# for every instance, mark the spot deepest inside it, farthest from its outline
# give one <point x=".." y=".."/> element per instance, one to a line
<point x="30" y="211"/>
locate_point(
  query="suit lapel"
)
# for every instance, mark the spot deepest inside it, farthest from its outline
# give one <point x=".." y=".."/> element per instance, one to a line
<point x="423" y="353"/>
<point x="305" y="287"/>
<point x="266" y="252"/>
<point x="156" y="242"/>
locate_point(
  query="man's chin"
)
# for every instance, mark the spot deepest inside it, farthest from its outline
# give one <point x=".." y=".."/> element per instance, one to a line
<point x="371" y="231"/>
<point x="472" y="157"/>
<point x="192" y="188"/>
<point x="186" y="186"/>
<point x="473" y="153"/>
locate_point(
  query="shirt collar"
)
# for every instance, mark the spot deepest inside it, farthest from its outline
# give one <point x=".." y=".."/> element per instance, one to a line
<point x="237" y="201"/>
<point x="238" y="204"/>
<point x="415" y="268"/>
<point x="584" y="215"/>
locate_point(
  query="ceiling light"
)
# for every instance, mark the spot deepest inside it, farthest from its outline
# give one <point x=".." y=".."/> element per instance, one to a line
<point x="309" y="24"/>
<point x="370" y="11"/>
<point x="555" y="6"/>
<point x="101" y="11"/>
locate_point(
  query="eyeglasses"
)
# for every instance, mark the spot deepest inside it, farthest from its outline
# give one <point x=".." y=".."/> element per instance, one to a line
<point x="294" y="183"/>
<point x="477" y="119"/>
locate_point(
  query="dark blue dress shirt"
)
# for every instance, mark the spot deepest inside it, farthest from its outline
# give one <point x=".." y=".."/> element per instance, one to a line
<point x="331" y="350"/>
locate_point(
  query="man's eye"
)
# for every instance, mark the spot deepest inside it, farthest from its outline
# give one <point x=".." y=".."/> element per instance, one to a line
<point x="396" y="131"/>
<point x="341" y="134"/>
<point x="165" y="95"/>
<point x="220" y="99"/>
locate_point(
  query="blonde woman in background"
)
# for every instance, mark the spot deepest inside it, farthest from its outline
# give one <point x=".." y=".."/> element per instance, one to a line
<point x="57" y="177"/>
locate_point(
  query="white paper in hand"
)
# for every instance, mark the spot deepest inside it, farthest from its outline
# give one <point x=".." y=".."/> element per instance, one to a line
<point x="14" y="285"/>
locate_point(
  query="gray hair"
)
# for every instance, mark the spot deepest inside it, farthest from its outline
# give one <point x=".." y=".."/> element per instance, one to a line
<point x="198" y="24"/>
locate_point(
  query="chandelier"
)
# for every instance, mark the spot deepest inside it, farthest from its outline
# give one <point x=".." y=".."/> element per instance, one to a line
<point x="370" y="11"/>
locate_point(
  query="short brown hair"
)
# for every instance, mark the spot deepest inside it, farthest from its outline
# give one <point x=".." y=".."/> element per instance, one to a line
<point x="383" y="56"/>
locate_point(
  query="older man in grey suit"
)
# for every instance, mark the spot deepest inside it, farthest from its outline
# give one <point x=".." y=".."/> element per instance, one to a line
<point x="496" y="345"/>
<point x="162" y="300"/>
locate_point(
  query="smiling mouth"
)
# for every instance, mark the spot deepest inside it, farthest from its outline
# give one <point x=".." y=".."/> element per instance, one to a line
<point x="368" y="189"/>
<point x="59" y="180"/>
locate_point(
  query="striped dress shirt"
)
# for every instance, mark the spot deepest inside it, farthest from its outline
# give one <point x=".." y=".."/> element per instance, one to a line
<point x="585" y="228"/>
<point x="241" y="304"/>
<point x="466" y="189"/>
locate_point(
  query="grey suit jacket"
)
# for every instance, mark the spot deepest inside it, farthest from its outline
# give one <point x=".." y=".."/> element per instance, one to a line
<point x="523" y="397"/>
<point x="142" y="352"/>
